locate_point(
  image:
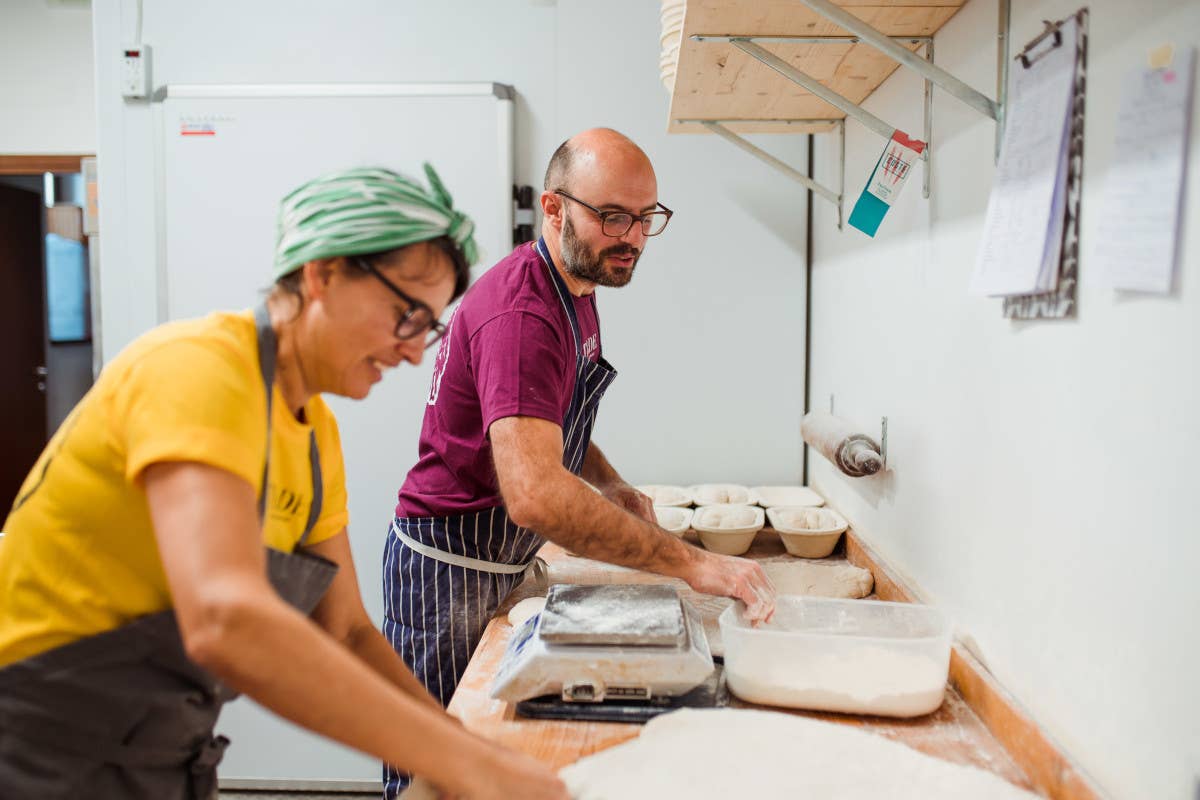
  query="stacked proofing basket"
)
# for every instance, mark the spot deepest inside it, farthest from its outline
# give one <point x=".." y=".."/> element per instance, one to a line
<point x="671" y="18"/>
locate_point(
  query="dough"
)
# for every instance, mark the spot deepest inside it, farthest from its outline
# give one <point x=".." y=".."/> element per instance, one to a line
<point x="724" y="518"/>
<point x="808" y="519"/>
<point x="820" y="580"/>
<point x="716" y="754"/>
<point x="672" y="518"/>
<point x="665" y="495"/>
<point x="710" y="494"/>
<point x="525" y="609"/>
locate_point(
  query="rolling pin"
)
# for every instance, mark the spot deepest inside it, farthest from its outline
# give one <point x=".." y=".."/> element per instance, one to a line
<point x="854" y="453"/>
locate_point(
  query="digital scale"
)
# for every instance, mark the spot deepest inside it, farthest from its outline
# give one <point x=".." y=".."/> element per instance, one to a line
<point x="623" y="653"/>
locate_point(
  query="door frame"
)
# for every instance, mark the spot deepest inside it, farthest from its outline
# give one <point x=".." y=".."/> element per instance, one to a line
<point x="38" y="164"/>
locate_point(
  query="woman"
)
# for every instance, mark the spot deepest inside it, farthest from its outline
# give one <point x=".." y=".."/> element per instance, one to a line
<point x="136" y="594"/>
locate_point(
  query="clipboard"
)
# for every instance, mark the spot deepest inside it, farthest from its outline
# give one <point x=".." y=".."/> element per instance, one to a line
<point x="1061" y="303"/>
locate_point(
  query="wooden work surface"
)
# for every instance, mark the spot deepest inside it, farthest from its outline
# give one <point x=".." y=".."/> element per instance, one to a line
<point x="953" y="732"/>
<point x="715" y="80"/>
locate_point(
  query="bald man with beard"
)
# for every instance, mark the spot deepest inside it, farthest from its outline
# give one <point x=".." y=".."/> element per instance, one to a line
<point x="506" y="446"/>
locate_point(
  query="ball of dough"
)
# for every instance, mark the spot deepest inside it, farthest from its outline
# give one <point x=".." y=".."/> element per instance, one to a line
<point x="525" y="609"/>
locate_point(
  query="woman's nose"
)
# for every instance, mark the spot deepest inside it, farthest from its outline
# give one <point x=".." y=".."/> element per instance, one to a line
<point x="412" y="350"/>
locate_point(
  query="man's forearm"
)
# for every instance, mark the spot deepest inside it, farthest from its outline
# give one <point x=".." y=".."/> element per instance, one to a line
<point x="590" y="525"/>
<point x="596" y="469"/>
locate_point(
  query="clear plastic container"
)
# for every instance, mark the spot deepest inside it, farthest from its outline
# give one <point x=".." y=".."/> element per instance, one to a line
<point x="851" y="656"/>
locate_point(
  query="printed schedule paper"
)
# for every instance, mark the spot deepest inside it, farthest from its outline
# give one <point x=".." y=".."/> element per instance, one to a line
<point x="1022" y="233"/>
<point x="1140" y="213"/>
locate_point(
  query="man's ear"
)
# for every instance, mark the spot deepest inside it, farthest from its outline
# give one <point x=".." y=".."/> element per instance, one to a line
<point x="554" y="208"/>
<point x="316" y="276"/>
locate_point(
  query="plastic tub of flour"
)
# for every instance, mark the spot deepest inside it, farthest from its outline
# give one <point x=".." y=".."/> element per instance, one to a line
<point x="661" y="495"/>
<point x="851" y="656"/>
<point x="673" y="519"/>
<point x="713" y="494"/>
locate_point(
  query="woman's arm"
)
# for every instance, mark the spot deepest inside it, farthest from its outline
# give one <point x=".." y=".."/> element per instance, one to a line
<point x="342" y="615"/>
<point x="236" y="626"/>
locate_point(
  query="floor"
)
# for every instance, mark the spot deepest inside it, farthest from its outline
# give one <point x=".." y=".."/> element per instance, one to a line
<point x="271" y="795"/>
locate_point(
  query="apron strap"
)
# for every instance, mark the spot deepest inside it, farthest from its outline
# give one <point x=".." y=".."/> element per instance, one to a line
<point x="455" y="560"/>
<point x="564" y="295"/>
<point x="267" y="349"/>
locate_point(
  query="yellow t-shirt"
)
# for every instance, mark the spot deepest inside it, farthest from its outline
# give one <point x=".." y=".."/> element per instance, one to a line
<point x="79" y="556"/>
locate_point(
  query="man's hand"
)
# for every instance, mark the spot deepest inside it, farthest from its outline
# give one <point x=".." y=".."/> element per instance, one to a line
<point x="630" y="499"/>
<point x="739" y="578"/>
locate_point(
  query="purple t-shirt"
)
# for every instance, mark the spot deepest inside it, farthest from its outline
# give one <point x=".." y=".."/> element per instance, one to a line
<point x="508" y="352"/>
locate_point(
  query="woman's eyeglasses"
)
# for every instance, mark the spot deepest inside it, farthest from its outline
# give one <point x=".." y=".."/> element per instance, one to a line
<point x="418" y="319"/>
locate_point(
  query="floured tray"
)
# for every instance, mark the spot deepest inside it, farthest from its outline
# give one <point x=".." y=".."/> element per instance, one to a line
<point x="615" y="614"/>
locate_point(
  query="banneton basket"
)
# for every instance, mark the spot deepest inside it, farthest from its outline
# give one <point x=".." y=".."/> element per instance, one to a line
<point x="807" y="532"/>
<point x="710" y="523"/>
<point x="772" y="496"/>
<point x="712" y="494"/>
<point x="665" y="495"/>
<point x="673" y="519"/>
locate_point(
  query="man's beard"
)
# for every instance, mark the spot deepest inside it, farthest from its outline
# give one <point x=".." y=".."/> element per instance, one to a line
<point x="585" y="265"/>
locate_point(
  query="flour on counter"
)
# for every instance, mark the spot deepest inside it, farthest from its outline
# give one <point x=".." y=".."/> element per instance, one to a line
<point x="771" y="756"/>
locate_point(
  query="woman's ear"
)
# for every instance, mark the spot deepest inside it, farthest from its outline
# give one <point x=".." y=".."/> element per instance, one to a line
<point x="316" y="276"/>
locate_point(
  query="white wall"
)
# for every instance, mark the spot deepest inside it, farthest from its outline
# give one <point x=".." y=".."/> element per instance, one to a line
<point x="711" y="327"/>
<point x="1044" y="485"/>
<point x="47" y="94"/>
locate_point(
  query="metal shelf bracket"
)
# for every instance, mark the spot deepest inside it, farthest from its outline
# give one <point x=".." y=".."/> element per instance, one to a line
<point x="824" y="192"/>
<point x="891" y="46"/>
<point x="931" y="72"/>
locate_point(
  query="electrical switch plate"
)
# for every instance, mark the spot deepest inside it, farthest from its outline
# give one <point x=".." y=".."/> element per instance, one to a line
<point x="135" y="71"/>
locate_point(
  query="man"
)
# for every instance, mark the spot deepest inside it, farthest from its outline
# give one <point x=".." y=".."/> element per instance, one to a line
<point x="506" y="436"/>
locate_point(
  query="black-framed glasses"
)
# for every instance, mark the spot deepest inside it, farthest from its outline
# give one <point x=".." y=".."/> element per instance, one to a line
<point x="418" y="319"/>
<point x="617" y="223"/>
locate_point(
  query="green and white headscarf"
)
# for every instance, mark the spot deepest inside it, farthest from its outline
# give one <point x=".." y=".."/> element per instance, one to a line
<point x="366" y="210"/>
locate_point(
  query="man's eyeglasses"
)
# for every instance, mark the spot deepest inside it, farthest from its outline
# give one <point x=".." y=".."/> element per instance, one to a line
<point x="618" y="223"/>
<point x="418" y="319"/>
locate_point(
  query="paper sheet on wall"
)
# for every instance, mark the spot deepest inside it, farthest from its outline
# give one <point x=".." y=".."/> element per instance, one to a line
<point x="1140" y="214"/>
<point x="1022" y="233"/>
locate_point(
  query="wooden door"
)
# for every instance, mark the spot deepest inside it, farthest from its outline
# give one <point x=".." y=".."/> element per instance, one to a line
<point x="22" y="340"/>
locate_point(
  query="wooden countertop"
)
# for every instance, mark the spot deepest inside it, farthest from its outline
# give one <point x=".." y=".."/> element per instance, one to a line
<point x="953" y="732"/>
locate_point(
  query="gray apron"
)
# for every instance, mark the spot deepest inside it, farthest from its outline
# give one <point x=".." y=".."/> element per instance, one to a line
<point x="125" y="713"/>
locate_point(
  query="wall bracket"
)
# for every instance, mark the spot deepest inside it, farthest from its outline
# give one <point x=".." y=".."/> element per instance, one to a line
<point x="891" y="46"/>
<point x="824" y="192"/>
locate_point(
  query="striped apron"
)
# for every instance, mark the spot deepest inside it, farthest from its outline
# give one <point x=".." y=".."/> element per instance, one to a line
<point x="444" y="577"/>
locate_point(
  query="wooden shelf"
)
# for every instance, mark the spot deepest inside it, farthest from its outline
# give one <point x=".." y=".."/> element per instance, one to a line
<point x="717" y="81"/>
